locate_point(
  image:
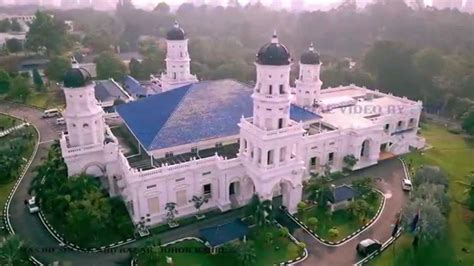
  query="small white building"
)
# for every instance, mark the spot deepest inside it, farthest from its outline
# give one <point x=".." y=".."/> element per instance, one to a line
<point x="228" y="140"/>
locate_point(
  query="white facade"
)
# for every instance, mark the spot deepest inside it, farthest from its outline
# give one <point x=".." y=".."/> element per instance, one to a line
<point x="275" y="154"/>
<point x="178" y="65"/>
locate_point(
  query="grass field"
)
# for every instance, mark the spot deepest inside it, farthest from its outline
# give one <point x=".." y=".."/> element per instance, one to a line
<point x="455" y="155"/>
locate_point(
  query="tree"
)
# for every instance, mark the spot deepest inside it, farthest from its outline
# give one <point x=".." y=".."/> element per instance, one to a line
<point x="57" y="67"/>
<point x="431" y="223"/>
<point x="319" y="191"/>
<point x="301" y="206"/>
<point x="5" y="25"/>
<point x="162" y="7"/>
<point x="364" y="187"/>
<point x="429" y="63"/>
<point x="5" y="81"/>
<point x="434" y="192"/>
<point x="430" y="174"/>
<point x="468" y="123"/>
<point x="20" y="89"/>
<point x="198" y="202"/>
<point x="108" y="65"/>
<point x="12" y="251"/>
<point x="135" y="68"/>
<point x="359" y="209"/>
<point x="469" y="190"/>
<point x="312" y="223"/>
<point x="245" y="252"/>
<point x="46" y="32"/>
<point x="15" y="26"/>
<point x="260" y="210"/>
<point x="333" y="232"/>
<point x="170" y="215"/>
<point x="14" y="45"/>
<point x="99" y="41"/>
<point x="37" y="80"/>
<point x="350" y="161"/>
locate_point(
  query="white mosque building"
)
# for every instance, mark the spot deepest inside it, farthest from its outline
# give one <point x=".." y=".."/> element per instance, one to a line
<point x="227" y="141"/>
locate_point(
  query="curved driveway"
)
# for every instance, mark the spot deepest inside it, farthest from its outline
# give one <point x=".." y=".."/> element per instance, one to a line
<point x="47" y="250"/>
<point x="390" y="173"/>
<point x="29" y="227"/>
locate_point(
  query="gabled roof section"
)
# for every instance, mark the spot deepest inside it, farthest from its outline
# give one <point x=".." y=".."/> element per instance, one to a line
<point x="342" y="193"/>
<point x="197" y="112"/>
<point x="146" y="117"/>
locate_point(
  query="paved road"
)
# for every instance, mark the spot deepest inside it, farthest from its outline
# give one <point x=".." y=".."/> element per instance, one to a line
<point x="29" y="226"/>
<point x="391" y="174"/>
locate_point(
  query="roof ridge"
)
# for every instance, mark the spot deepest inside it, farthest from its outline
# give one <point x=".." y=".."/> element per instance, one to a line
<point x="171" y="115"/>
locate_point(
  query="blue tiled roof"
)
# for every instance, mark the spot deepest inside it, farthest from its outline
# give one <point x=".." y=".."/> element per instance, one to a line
<point x="342" y="193"/>
<point x="221" y="234"/>
<point x="133" y="86"/>
<point x="193" y="113"/>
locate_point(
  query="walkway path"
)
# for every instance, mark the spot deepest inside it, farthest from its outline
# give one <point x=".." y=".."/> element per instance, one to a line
<point x="30" y="228"/>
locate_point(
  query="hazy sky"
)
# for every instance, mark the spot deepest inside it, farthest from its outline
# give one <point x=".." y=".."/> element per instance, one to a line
<point x="285" y="2"/>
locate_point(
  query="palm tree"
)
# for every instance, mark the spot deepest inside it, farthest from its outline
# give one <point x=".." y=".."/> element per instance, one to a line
<point x="246" y="253"/>
<point x="319" y="191"/>
<point x="359" y="209"/>
<point x="260" y="211"/>
<point x="12" y="251"/>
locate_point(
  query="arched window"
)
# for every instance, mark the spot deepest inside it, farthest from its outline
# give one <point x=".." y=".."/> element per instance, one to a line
<point x="85" y="125"/>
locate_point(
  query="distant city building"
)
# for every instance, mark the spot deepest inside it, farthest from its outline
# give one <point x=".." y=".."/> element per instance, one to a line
<point x="441" y="4"/>
<point x="233" y="3"/>
<point x="297" y="5"/>
<point x="277" y="5"/>
<point x="28" y="2"/>
<point x="469" y="6"/>
<point x="69" y="4"/>
<point x="361" y="4"/>
<point x="84" y="3"/>
<point x="215" y="3"/>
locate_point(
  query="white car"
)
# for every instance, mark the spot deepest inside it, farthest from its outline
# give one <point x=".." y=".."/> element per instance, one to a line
<point x="60" y="121"/>
<point x="406" y="184"/>
<point x="32" y="206"/>
<point x="51" y="113"/>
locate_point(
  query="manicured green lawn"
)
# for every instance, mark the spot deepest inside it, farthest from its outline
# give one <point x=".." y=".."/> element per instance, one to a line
<point x="193" y="253"/>
<point x="45" y="99"/>
<point x="455" y="155"/>
<point x="342" y="220"/>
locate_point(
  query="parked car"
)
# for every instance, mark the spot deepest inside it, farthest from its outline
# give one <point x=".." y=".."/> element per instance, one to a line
<point x="406" y="184"/>
<point x="368" y="246"/>
<point x="51" y="113"/>
<point x="60" y="121"/>
<point x="32" y="205"/>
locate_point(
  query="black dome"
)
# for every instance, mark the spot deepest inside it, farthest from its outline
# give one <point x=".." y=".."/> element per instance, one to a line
<point x="273" y="53"/>
<point x="176" y="33"/>
<point x="310" y="57"/>
<point x="77" y="78"/>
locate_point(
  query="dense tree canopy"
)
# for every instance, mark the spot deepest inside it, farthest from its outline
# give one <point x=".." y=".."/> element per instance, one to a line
<point x="57" y="67"/>
<point x="14" y="45"/>
<point x="48" y="33"/>
<point x="110" y="66"/>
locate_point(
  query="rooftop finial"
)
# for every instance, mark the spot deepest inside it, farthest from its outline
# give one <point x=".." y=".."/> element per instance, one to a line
<point x="176" y="24"/>
<point x="311" y="47"/>
<point x="275" y="37"/>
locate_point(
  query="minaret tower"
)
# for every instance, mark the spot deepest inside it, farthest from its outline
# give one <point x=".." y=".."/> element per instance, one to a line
<point x="178" y="63"/>
<point x="84" y="117"/>
<point x="308" y="85"/>
<point x="269" y="140"/>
